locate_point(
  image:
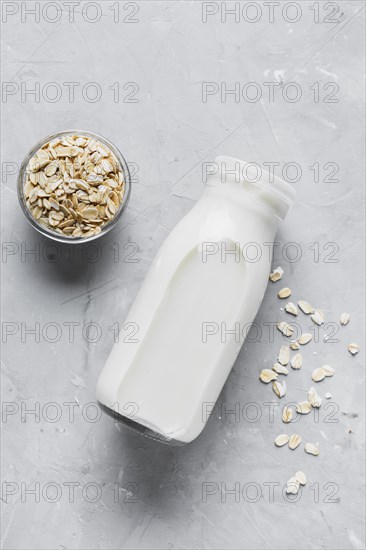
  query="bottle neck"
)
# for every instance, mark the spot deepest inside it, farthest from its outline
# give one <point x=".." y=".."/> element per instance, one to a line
<point x="248" y="184"/>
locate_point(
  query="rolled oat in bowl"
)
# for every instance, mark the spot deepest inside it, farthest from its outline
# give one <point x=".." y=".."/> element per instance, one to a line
<point x="73" y="186"/>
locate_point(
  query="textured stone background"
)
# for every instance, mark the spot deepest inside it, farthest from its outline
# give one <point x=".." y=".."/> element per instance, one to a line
<point x="148" y="495"/>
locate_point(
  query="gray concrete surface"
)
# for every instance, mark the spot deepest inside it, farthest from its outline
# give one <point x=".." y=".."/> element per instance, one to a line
<point x="98" y="485"/>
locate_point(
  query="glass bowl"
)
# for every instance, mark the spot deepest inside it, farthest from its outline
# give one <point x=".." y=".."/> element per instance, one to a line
<point x="53" y="234"/>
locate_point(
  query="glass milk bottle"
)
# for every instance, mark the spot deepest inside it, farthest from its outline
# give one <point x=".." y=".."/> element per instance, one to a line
<point x="204" y="287"/>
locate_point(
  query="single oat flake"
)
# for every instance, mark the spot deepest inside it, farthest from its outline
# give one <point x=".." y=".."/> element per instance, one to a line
<point x="305" y="307"/>
<point x="304" y="407"/>
<point x="287" y="414"/>
<point x="292" y="486"/>
<point x="311" y="449"/>
<point x="285" y="328"/>
<point x="281" y="440"/>
<point x="305" y="338"/>
<point x="328" y="370"/>
<point x="280" y="369"/>
<point x="353" y="348"/>
<point x="267" y="376"/>
<point x="318" y="317"/>
<point x="296" y="361"/>
<point x="295" y="345"/>
<point x="345" y="318"/>
<point x="313" y="397"/>
<point x="301" y="478"/>
<point x="276" y="274"/>
<point x="284" y="355"/>
<point x="278" y="388"/>
<point x="318" y="375"/>
<point x="291" y="308"/>
<point x="294" y="441"/>
<point x="284" y="293"/>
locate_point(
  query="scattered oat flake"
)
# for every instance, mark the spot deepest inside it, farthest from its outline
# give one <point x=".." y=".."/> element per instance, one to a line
<point x="280" y="369"/>
<point x="318" y="374"/>
<point x="279" y="388"/>
<point x="314" y="399"/>
<point x="287" y="414"/>
<point x="305" y="338"/>
<point x="301" y="478"/>
<point x="294" y="441"/>
<point x="296" y="361"/>
<point x="328" y="370"/>
<point x="294" y="345"/>
<point x="276" y="274"/>
<point x="285" y="328"/>
<point x="267" y="376"/>
<point x="345" y="318"/>
<point x="291" y="308"/>
<point x="317" y="317"/>
<point x="353" y="348"/>
<point x="281" y="440"/>
<point x="304" y="407"/>
<point x="311" y="449"/>
<point x="305" y="307"/>
<point x="292" y="486"/>
<point x="284" y="355"/>
<point x="328" y="395"/>
<point x="284" y="292"/>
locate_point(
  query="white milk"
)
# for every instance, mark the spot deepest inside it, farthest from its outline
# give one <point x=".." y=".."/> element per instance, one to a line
<point x="202" y="291"/>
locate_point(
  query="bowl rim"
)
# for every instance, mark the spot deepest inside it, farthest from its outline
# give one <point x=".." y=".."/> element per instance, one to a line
<point x="57" y="236"/>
